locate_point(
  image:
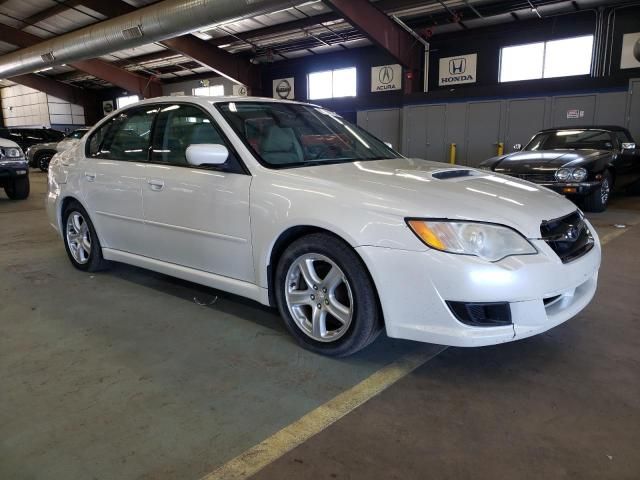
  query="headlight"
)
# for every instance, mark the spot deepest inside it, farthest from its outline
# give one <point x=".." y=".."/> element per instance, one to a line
<point x="485" y="240"/>
<point x="563" y="175"/>
<point x="579" y="174"/>
<point x="12" y="152"/>
<point x="571" y="174"/>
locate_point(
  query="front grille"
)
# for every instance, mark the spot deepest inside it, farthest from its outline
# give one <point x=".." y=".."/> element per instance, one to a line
<point x="568" y="236"/>
<point x="535" y="177"/>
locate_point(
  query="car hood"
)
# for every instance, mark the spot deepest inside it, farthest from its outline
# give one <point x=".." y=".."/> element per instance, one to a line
<point x="5" y="142"/>
<point x="528" y="161"/>
<point x="418" y="188"/>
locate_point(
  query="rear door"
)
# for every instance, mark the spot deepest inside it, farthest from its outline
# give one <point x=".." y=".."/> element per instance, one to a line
<point x="196" y="217"/>
<point x="112" y="179"/>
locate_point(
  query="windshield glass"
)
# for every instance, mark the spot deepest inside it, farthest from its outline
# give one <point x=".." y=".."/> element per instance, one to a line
<point x="77" y="133"/>
<point x="287" y="135"/>
<point x="571" y="139"/>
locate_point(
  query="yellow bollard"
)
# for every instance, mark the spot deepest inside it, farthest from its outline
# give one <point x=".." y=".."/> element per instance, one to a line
<point x="452" y="154"/>
<point x="500" y="148"/>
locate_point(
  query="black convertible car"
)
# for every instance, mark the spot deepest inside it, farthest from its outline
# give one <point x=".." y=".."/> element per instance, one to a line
<point x="583" y="163"/>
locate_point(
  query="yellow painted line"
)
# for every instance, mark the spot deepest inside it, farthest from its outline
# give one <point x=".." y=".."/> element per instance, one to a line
<point x="285" y="440"/>
<point x="256" y="458"/>
<point x="611" y="235"/>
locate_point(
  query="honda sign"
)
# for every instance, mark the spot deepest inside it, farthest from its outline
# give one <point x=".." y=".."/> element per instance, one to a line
<point x="460" y="69"/>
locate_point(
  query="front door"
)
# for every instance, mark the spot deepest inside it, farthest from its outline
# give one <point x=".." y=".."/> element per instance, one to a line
<point x="196" y="217"/>
<point x="112" y="175"/>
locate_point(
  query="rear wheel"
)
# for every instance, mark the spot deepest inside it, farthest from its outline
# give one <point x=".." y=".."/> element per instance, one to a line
<point x="80" y="239"/>
<point x="43" y="161"/>
<point x="18" y="188"/>
<point x="598" y="200"/>
<point x="326" y="297"/>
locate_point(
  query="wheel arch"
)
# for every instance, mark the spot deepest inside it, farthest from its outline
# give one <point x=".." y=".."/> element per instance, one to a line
<point x="68" y="199"/>
<point x="294" y="233"/>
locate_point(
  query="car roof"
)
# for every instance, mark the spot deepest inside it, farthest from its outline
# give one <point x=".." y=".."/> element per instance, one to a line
<point x="215" y="99"/>
<point x="614" y="128"/>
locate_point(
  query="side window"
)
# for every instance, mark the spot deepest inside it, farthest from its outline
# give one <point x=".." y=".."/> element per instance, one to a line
<point x="622" y="138"/>
<point x="126" y="138"/>
<point x="179" y="126"/>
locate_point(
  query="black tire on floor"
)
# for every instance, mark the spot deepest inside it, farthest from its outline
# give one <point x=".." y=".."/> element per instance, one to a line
<point x="598" y="200"/>
<point x="366" y="321"/>
<point x="43" y="161"/>
<point x="18" y="188"/>
<point x="95" y="262"/>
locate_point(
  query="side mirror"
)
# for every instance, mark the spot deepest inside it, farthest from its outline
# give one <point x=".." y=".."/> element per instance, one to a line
<point x="517" y="147"/>
<point x="628" y="146"/>
<point x="206" y="154"/>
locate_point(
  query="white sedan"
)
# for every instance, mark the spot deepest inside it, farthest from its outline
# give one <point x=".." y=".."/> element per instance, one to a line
<point x="292" y="206"/>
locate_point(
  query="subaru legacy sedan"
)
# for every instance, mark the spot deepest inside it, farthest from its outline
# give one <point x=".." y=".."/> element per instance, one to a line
<point x="292" y="206"/>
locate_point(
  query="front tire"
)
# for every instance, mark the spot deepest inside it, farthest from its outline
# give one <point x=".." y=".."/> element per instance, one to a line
<point x="326" y="297"/>
<point x="18" y="188"/>
<point x="80" y="239"/>
<point x="598" y="200"/>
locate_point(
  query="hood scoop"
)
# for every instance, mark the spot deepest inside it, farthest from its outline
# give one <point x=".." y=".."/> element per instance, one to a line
<point x="453" y="173"/>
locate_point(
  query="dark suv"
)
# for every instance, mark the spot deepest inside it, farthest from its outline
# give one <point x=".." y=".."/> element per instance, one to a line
<point x="25" y="137"/>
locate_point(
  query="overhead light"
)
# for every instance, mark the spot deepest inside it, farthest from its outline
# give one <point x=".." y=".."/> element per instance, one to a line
<point x="43" y="70"/>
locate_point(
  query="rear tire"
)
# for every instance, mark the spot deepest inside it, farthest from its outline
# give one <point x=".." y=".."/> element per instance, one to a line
<point x="326" y="296"/>
<point x="80" y="239"/>
<point x="43" y="161"/>
<point x="18" y="188"/>
<point x="598" y="200"/>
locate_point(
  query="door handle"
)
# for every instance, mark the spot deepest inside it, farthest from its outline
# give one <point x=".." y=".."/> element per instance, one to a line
<point x="156" y="185"/>
<point x="90" y="176"/>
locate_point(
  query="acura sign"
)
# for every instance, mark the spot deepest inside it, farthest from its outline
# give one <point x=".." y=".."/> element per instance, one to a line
<point x="386" y="77"/>
<point x="456" y="70"/>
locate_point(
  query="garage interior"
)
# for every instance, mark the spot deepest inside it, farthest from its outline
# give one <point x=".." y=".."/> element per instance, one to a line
<point x="130" y="374"/>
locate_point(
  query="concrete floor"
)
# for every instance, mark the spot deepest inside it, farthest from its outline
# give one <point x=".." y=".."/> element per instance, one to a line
<point x="125" y="375"/>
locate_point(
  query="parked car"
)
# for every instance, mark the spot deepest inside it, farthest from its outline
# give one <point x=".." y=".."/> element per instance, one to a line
<point x="316" y="216"/>
<point x="583" y="163"/>
<point x="40" y="155"/>
<point x="26" y="137"/>
<point x="14" y="170"/>
<point x="72" y="139"/>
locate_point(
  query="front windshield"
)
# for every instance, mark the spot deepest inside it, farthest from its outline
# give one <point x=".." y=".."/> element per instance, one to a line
<point x="77" y="134"/>
<point x="571" y="139"/>
<point x="287" y="135"/>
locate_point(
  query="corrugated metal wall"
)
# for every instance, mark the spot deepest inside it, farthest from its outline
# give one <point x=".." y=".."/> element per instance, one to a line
<point x="477" y="127"/>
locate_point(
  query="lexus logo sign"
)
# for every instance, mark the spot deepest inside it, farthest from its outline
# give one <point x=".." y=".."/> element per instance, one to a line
<point x="456" y="70"/>
<point x="386" y="77"/>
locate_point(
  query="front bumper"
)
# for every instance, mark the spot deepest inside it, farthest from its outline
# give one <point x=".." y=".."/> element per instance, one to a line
<point x="414" y="287"/>
<point x="10" y="170"/>
<point x="572" y="189"/>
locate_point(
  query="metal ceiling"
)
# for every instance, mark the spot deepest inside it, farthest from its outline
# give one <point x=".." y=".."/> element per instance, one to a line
<point x="276" y="36"/>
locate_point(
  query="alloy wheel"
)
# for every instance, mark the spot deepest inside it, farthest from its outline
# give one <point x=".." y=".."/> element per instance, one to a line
<point x="604" y="191"/>
<point x="78" y="237"/>
<point x="319" y="297"/>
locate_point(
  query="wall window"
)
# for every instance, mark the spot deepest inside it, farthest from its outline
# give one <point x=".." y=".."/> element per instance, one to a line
<point x="556" y="58"/>
<point x="332" y="84"/>
<point x="210" y="91"/>
<point x="124" y="101"/>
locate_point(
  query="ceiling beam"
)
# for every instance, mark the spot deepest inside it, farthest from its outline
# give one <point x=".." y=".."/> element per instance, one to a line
<point x="51" y="11"/>
<point x="380" y="29"/>
<point x="71" y="94"/>
<point x="276" y="29"/>
<point x="233" y="67"/>
<point x="132" y="82"/>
